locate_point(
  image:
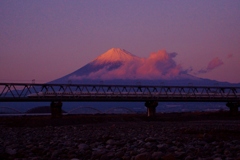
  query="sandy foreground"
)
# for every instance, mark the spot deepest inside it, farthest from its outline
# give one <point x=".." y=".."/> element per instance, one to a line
<point x="129" y="137"/>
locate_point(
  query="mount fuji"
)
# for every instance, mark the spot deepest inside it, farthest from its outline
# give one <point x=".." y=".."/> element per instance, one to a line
<point x="118" y="66"/>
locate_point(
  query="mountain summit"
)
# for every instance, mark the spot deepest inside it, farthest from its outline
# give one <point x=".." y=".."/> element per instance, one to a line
<point x="115" y="55"/>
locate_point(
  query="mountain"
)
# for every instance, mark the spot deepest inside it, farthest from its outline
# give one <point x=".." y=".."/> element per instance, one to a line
<point x="110" y="60"/>
<point x="118" y="66"/>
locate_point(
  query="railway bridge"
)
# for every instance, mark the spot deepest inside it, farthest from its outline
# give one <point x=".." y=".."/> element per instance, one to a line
<point x="150" y="95"/>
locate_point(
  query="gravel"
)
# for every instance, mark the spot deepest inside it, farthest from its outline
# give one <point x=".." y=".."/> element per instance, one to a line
<point x="131" y="140"/>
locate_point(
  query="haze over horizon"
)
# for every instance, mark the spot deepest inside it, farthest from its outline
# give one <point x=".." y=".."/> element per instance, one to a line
<point x="45" y="40"/>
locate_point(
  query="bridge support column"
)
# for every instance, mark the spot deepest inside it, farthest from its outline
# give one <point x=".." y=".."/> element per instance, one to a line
<point x="151" y="108"/>
<point x="56" y="109"/>
<point x="233" y="107"/>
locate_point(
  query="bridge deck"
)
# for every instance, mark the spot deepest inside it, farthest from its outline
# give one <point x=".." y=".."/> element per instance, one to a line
<point x="19" y="92"/>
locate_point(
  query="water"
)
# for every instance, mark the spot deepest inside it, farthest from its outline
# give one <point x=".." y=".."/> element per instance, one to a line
<point x="111" y="107"/>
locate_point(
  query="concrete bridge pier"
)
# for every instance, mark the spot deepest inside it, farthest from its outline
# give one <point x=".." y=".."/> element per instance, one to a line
<point x="151" y="108"/>
<point x="56" y="109"/>
<point x="233" y="107"/>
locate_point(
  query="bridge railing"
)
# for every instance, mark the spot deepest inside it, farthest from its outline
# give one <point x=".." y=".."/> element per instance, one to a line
<point x="84" y="92"/>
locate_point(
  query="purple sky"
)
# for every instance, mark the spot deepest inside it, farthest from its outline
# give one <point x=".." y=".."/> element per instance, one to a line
<point x="45" y="40"/>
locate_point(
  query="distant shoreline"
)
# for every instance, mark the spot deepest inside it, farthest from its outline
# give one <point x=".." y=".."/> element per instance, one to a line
<point x="34" y="120"/>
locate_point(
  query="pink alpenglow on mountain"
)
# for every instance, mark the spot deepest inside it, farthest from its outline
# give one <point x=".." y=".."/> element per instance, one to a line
<point x="120" y="64"/>
<point x="115" y="55"/>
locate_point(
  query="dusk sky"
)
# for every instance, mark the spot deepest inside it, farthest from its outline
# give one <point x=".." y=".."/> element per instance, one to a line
<point x="45" y="40"/>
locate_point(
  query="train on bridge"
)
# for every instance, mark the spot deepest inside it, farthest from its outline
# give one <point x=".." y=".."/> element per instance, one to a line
<point x="213" y="94"/>
<point x="151" y="95"/>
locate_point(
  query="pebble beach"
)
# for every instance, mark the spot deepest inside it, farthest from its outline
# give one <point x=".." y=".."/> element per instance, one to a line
<point x="120" y="137"/>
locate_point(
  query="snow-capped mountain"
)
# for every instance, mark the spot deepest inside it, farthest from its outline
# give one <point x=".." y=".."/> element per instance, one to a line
<point x="115" y="55"/>
<point x="110" y="60"/>
<point x="118" y="66"/>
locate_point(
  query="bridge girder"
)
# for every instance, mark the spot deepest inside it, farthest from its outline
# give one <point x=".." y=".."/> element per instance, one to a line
<point x="20" y="92"/>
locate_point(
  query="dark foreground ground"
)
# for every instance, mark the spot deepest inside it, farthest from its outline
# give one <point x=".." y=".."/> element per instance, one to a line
<point x="166" y="136"/>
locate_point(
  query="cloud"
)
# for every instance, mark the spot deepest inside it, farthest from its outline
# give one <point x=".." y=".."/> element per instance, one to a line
<point x="229" y="55"/>
<point x="159" y="65"/>
<point x="188" y="70"/>
<point x="214" y="63"/>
